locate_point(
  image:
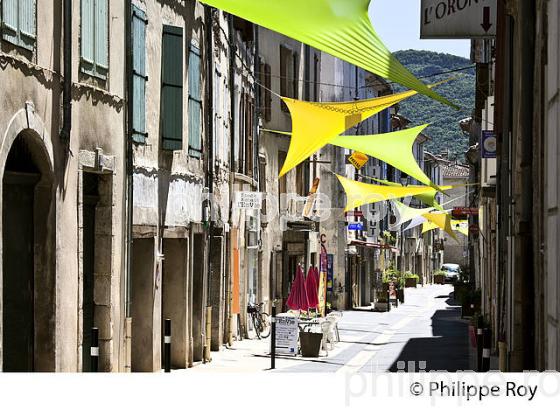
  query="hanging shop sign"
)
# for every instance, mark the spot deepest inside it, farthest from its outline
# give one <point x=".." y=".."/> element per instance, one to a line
<point x="357" y="214"/>
<point x="455" y="19"/>
<point x="287" y="332"/>
<point x="461" y="212"/>
<point x="488" y="144"/>
<point x="358" y="160"/>
<point x="310" y="201"/>
<point x="330" y="271"/>
<point x="248" y="200"/>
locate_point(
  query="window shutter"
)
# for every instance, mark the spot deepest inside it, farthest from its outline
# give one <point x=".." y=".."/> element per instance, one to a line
<point x="27" y="23"/>
<point x="101" y="35"/>
<point x="195" y="103"/>
<point x="267" y="93"/>
<point x="10" y="21"/>
<point x="172" y="88"/>
<point x="139" y="75"/>
<point x="87" y="32"/>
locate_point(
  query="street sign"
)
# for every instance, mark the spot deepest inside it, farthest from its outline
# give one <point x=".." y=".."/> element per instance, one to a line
<point x="488" y="144"/>
<point x="248" y="200"/>
<point x="454" y="19"/>
<point x="356" y="227"/>
<point x="358" y="160"/>
<point x="358" y="214"/>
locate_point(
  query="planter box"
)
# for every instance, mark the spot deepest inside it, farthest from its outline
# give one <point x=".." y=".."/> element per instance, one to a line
<point x="439" y="279"/>
<point x="310" y="343"/>
<point x="410" y="282"/>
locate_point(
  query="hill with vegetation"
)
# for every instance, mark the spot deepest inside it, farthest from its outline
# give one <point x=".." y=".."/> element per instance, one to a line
<point x="444" y="132"/>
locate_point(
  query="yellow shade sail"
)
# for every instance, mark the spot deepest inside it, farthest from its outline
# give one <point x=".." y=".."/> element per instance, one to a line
<point x="442" y="221"/>
<point x="394" y="148"/>
<point x="359" y="193"/>
<point x="315" y="125"/>
<point x="407" y="213"/>
<point x="341" y="28"/>
<point x="428" y="198"/>
<point x="461" y="226"/>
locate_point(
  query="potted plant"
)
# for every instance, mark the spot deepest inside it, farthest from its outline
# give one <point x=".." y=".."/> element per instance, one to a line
<point x="410" y="280"/>
<point x="439" y="277"/>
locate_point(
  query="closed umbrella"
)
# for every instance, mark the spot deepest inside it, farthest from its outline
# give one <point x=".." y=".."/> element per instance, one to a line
<point x="297" y="300"/>
<point x="312" y="288"/>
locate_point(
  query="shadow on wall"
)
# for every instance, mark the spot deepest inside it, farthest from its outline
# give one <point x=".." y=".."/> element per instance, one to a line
<point x="447" y="350"/>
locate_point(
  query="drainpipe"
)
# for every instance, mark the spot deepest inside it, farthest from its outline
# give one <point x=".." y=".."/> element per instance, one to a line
<point x="232" y="53"/>
<point x="256" y="110"/>
<point x="208" y="17"/>
<point x="129" y="180"/>
<point x="67" y="87"/>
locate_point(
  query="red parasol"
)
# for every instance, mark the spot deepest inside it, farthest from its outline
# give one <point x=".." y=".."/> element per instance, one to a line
<point x="297" y="300"/>
<point x="312" y="285"/>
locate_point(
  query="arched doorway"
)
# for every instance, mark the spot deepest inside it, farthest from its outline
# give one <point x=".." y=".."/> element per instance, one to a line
<point x="27" y="291"/>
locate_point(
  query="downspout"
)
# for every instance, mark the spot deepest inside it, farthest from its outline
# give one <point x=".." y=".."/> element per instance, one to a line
<point x="67" y="86"/>
<point x="129" y="181"/>
<point x="232" y="53"/>
<point x="256" y="110"/>
<point x="208" y="16"/>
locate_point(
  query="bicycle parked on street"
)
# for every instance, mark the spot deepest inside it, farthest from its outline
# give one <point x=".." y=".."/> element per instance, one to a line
<point x="261" y="320"/>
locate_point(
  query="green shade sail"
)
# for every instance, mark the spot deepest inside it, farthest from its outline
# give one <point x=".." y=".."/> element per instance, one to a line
<point x="341" y="28"/>
<point x="427" y="198"/>
<point x="394" y="148"/>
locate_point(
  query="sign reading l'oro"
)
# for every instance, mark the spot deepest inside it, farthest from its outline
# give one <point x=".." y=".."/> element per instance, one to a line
<point x="455" y="19"/>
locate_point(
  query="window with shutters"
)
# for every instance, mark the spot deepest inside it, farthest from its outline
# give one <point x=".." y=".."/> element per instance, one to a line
<point x="139" y="75"/>
<point x="288" y="74"/>
<point x="195" y="103"/>
<point x="262" y="182"/>
<point x="246" y="131"/>
<point x="94" y="40"/>
<point x="19" y="23"/>
<point x="265" y="95"/>
<point x="172" y="88"/>
<point x="282" y="182"/>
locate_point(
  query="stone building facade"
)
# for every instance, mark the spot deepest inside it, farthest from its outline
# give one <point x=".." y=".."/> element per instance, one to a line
<point x="63" y="185"/>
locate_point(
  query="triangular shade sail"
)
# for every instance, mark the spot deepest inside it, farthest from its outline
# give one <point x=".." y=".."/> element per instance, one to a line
<point x="461" y="226"/>
<point x="359" y="193"/>
<point x="428" y="198"/>
<point x="419" y="220"/>
<point x="406" y="213"/>
<point x="394" y="148"/>
<point x="341" y="28"/>
<point x="442" y="221"/>
<point x="315" y="125"/>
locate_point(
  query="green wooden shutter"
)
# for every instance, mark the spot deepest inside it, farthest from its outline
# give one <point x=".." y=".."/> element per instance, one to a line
<point x="195" y="103"/>
<point x="27" y="28"/>
<point x="10" y="21"/>
<point x="172" y="88"/>
<point x="87" y="35"/>
<point x="101" y="36"/>
<point x="139" y="75"/>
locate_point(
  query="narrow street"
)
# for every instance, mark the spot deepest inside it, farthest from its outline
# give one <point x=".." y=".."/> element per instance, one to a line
<point x="424" y="333"/>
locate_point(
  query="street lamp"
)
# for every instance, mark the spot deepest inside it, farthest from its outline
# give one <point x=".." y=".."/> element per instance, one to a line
<point x="404" y="182"/>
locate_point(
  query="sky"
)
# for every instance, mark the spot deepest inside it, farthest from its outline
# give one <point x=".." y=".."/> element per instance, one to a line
<point x="398" y="23"/>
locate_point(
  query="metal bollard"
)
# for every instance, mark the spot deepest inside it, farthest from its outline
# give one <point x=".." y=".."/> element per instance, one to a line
<point x="94" y="349"/>
<point x="388" y="301"/>
<point x="273" y="338"/>
<point x="167" y="345"/>
<point x="486" y="346"/>
<point x="479" y="343"/>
